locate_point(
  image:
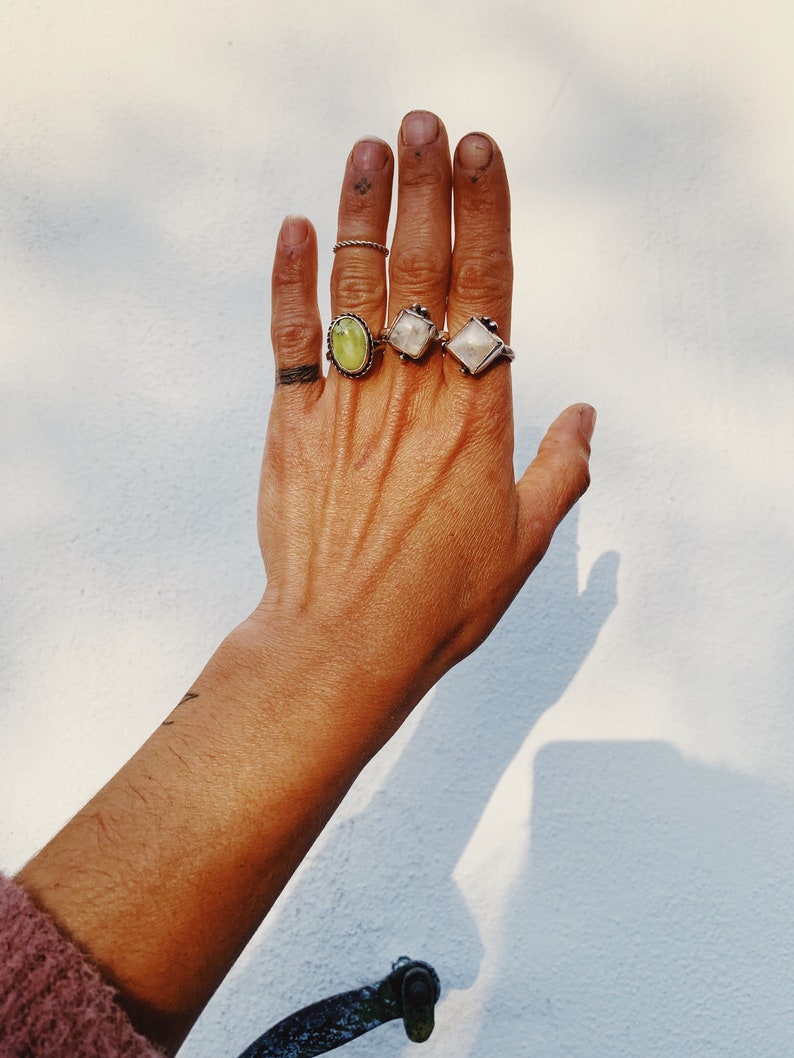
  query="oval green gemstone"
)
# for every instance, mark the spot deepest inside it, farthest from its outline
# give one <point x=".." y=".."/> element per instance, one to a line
<point x="350" y="345"/>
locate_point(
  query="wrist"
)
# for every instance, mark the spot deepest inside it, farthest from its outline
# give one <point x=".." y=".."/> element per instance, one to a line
<point x="281" y="683"/>
<point x="349" y="668"/>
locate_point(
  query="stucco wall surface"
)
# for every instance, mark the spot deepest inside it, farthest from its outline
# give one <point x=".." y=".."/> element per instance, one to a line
<point x="587" y="826"/>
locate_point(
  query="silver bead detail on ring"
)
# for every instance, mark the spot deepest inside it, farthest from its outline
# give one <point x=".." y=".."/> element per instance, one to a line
<point x="350" y="345"/>
<point x="362" y="242"/>
<point x="412" y="333"/>
<point x="477" y="345"/>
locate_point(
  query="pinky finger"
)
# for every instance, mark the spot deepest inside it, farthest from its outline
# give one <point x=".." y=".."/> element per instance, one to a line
<point x="295" y="328"/>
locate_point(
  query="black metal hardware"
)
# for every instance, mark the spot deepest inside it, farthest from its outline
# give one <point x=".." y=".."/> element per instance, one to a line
<point x="410" y="992"/>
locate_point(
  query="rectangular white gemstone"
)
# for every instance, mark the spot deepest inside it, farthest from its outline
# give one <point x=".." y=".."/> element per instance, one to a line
<point x="474" y="345"/>
<point x="410" y="334"/>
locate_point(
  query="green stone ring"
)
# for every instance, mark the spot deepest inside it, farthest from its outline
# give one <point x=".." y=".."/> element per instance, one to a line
<point x="350" y="345"/>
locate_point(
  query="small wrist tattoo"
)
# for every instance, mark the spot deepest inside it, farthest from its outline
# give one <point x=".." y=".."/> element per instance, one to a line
<point x="290" y="376"/>
<point x="188" y="697"/>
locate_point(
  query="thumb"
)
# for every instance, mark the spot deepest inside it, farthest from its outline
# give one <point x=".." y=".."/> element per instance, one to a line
<point x="555" y="479"/>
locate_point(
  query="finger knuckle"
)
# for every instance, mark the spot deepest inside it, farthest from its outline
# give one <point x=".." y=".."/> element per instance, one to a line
<point x="573" y="485"/>
<point x="584" y="476"/>
<point x="359" y="290"/>
<point x="296" y="269"/>
<point x="294" y="337"/>
<point x="418" y="173"/>
<point x="483" y="282"/>
<point x="422" y="270"/>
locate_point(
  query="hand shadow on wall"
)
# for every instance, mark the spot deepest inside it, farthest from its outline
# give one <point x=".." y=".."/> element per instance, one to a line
<point x="381" y="885"/>
<point x="654" y="914"/>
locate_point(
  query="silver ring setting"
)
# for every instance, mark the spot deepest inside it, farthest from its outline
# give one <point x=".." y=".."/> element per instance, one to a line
<point x="412" y="333"/>
<point x="476" y="345"/>
<point x="350" y="345"/>
<point x="367" y="243"/>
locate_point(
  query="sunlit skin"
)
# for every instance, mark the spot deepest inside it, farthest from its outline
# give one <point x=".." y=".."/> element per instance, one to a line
<point x="394" y="536"/>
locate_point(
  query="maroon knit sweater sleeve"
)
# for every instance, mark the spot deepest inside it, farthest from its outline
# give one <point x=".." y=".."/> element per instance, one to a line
<point x="53" y="1002"/>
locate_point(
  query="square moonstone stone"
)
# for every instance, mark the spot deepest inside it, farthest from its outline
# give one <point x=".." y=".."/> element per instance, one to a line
<point x="411" y="334"/>
<point x="475" y="346"/>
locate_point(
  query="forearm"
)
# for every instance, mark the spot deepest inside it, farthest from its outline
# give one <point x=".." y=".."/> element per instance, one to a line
<point x="163" y="877"/>
<point x="389" y="512"/>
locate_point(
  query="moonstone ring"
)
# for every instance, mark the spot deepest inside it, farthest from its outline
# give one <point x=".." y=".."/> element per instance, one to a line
<point x="412" y="333"/>
<point x="350" y="345"/>
<point x="477" y="345"/>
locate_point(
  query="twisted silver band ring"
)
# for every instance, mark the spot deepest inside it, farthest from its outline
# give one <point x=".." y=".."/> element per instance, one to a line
<point x="362" y="242"/>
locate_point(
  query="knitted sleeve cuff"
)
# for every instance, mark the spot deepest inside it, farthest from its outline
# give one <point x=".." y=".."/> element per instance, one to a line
<point x="53" y="1001"/>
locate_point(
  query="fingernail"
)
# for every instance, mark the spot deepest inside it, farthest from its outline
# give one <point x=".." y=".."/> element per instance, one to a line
<point x="587" y="420"/>
<point x="294" y="230"/>
<point x="475" y="151"/>
<point x="370" y="155"/>
<point x="419" y="127"/>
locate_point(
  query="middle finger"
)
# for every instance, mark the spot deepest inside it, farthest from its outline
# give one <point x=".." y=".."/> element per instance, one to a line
<point x="421" y="249"/>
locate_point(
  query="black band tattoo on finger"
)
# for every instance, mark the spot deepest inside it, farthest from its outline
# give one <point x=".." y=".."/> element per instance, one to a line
<point x="291" y="376"/>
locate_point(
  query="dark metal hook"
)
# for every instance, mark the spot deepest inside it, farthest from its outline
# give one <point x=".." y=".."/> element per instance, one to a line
<point x="410" y="992"/>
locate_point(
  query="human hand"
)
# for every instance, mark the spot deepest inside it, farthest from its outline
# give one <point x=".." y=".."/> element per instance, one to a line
<point x="390" y="522"/>
<point x="394" y="536"/>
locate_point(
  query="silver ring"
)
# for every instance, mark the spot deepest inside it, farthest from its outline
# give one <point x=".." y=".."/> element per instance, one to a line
<point x="350" y="345"/>
<point x="477" y="345"/>
<point x="412" y="333"/>
<point x="363" y="242"/>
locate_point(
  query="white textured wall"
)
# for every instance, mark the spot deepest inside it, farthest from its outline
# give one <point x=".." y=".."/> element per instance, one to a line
<point x="587" y="827"/>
